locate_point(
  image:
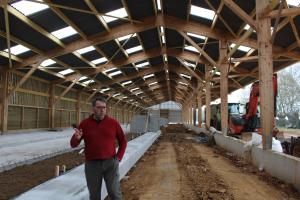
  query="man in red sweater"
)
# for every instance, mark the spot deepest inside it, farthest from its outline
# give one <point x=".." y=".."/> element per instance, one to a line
<point x="99" y="133"/>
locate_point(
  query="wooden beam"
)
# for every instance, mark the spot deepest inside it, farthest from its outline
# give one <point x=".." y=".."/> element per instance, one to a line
<point x="224" y="69"/>
<point x="138" y="57"/>
<point x="241" y="13"/>
<point x="52" y="106"/>
<point x="284" y="13"/>
<point x="265" y="74"/>
<point x="7" y="32"/>
<point x="208" y="96"/>
<point x="66" y="90"/>
<point x="149" y="23"/>
<point x="199" y="101"/>
<point x="24" y="79"/>
<point x="205" y="55"/>
<point x="3" y="100"/>
<point x="220" y="17"/>
<point x="96" y="13"/>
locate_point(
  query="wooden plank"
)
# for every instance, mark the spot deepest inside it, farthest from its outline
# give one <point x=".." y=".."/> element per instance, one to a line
<point x="199" y="100"/>
<point x="51" y="106"/>
<point x="284" y="13"/>
<point x="265" y="74"/>
<point x="66" y="90"/>
<point x="3" y="101"/>
<point x="7" y="32"/>
<point x="24" y="79"/>
<point x="205" y="55"/>
<point x="208" y="96"/>
<point x="224" y="68"/>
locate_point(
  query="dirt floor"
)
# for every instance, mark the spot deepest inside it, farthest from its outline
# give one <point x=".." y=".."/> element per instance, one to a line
<point x="21" y="179"/>
<point x="177" y="167"/>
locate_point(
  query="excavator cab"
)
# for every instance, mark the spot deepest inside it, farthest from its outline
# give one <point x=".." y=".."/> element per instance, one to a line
<point x="250" y="122"/>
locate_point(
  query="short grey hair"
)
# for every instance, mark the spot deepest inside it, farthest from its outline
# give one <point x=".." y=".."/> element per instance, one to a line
<point x="98" y="99"/>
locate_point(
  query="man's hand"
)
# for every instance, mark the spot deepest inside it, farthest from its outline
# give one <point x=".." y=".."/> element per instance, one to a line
<point x="78" y="134"/>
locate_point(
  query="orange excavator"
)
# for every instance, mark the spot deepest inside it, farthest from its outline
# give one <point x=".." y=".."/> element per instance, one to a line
<point x="250" y="122"/>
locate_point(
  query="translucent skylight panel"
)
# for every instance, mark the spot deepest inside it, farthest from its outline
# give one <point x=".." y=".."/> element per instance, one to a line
<point x="140" y="65"/>
<point x="191" y="48"/>
<point x="105" y="89"/>
<point x="125" y="37"/>
<point x="64" y="32"/>
<point x="86" y="49"/>
<point x="197" y="36"/>
<point x="29" y="8"/>
<point x="134" y="49"/>
<point x="115" y="73"/>
<point x="99" y="60"/>
<point x="148" y="76"/>
<point x="47" y="62"/>
<point x="126" y="83"/>
<point x="202" y="12"/>
<point x="120" y="13"/>
<point x="82" y="78"/>
<point x="18" y="49"/>
<point x="65" y="72"/>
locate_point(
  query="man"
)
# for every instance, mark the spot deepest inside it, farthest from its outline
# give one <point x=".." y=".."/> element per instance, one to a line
<point x="99" y="133"/>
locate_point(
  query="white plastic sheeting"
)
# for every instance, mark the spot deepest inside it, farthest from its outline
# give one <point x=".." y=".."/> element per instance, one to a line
<point x="72" y="185"/>
<point x="25" y="148"/>
<point x="256" y="140"/>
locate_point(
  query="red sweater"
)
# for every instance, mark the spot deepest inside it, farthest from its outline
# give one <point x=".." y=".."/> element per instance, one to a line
<point x="99" y="138"/>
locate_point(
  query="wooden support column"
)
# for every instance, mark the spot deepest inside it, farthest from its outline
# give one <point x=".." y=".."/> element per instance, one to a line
<point x="207" y="96"/>
<point x="224" y="87"/>
<point x="52" y="106"/>
<point x="189" y="113"/>
<point x="199" y="100"/>
<point x="78" y="108"/>
<point x="194" y="112"/>
<point x="265" y="66"/>
<point x="3" y="100"/>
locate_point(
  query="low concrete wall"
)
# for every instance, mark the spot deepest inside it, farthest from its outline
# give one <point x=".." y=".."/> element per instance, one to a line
<point x="282" y="166"/>
<point x="231" y="144"/>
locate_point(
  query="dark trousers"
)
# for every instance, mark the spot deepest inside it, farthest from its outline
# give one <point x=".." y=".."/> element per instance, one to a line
<point x="108" y="169"/>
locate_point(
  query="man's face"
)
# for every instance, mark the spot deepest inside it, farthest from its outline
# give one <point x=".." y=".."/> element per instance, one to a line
<point x="99" y="109"/>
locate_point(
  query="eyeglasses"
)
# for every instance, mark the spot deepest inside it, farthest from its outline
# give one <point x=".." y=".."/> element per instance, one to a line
<point x="100" y="107"/>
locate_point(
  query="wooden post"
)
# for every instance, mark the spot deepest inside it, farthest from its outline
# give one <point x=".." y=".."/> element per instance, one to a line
<point x="189" y="116"/>
<point x="51" y="106"/>
<point x="224" y="87"/>
<point x="199" y="107"/>
<point x="265" y="66"/>
<point x="63" y="168"/>
<point x="194" y="113"/>
<point x="56" y="171"/>
<point x="208" y="97"/>
<point x="22" y="117"/>
<point x="3" y="100"/>
<point x="78" y="108"/>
